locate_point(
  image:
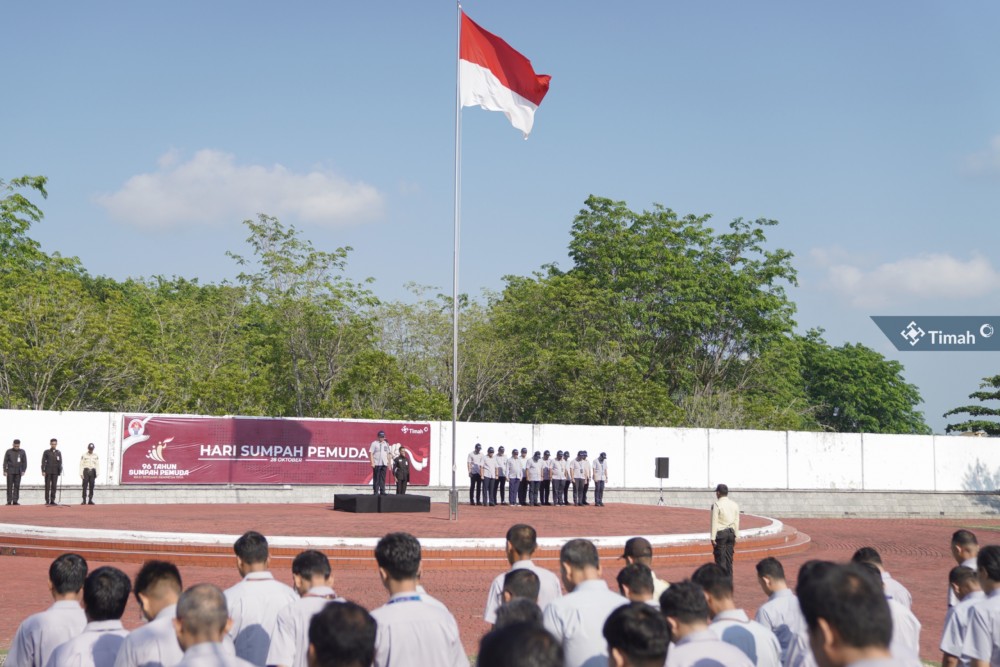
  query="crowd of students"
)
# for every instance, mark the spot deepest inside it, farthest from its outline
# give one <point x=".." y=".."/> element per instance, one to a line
<point x="840" y="614"/>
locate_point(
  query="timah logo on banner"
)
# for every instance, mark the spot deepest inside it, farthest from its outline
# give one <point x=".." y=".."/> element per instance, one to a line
<point x="941" y="333"/>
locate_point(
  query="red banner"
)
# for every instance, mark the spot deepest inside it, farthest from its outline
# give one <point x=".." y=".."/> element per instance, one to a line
<point x="248" y="450"/>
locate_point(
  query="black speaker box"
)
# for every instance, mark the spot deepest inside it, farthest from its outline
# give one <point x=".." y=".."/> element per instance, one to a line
<point x="662" y="467"/>
<point x="404" y="503"/>
<point x="356" y="502"/>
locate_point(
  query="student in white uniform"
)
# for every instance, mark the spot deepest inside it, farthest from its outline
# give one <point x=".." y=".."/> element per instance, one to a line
<point x="694" y="645"/>
<point x="640" y="550"/>
<point x="520" y="645"/>
<point x="474" y="462"/>
<point x="157" y="589"/>
<point x="964" y="549"/>
<point x="201" y="625"/>
<point x="342" y="633"/>
<point x="637" y="636"/>
<point x="905" y="643"/>
<point x="895" y="590"/>
<point x="488" y="466"/>
<point x="521" y="543"/>
<point x="515" y="471"/>
<point x="501" y="476"/>
<point x="781" y="613"/>
<point x="41" y="633"/>
<point x="105" y="594"/>
<point x="965" y="584"/>
<point x="411" y="629"/>
<point x="313" y="581"/>
<point x="635" y="582"/>
<point x="255" y="601"/>
<point x="732" y="625"/>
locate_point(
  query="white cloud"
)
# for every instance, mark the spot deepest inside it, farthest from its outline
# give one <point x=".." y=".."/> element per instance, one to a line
<point x="925" y="277"/>
<point x="211" y="188"/>
<point x="985" y="162"/>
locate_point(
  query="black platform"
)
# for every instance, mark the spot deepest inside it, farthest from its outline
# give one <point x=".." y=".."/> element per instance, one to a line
<point x="404" y="503"/>
<point x="362" y="503"/>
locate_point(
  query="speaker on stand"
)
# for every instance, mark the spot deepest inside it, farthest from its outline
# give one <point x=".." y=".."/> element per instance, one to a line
<point x="662" y="473"/>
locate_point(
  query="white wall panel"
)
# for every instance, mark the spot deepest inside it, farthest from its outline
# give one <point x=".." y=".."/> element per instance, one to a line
<point x="824" y="460"/>
<point x="687" y="449"/>
<point x="898" y="462"/>
<point x="747" y="459"/>
<point x="964" y="463"/>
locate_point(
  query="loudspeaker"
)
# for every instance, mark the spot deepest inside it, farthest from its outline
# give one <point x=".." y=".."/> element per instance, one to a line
<point x="404" y="503"/>
<point x="356" y="502"/>
<point x="662" y="467"/>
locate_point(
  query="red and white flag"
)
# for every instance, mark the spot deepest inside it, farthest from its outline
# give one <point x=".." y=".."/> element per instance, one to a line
<point x="495" y="77"/>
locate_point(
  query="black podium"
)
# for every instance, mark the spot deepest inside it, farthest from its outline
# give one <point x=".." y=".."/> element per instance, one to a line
<point x="371" y="503"/>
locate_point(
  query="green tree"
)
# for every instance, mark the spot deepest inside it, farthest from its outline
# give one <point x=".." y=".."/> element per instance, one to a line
<point x="857" y="390"/>
<point x="989" y="390"/>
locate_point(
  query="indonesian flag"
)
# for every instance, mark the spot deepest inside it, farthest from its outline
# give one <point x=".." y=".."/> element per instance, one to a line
<point x="495" y="77"/>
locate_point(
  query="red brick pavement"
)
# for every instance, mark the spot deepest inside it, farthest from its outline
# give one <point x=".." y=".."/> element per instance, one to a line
<point x="915" y="551"/>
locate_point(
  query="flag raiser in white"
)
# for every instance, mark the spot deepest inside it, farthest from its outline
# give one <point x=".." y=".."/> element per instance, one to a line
<point x="480" y="87"/>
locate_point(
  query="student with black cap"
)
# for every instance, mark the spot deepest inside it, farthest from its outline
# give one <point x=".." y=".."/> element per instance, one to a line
<point x="379" y="454"/>
<point x="489" y="471"/>
<point x="501" y="475"/>
<point x="533" y="470"/>
<point x="600" y="478"/>
<point x="546" y="485"/>
<point x="522" y="492"/>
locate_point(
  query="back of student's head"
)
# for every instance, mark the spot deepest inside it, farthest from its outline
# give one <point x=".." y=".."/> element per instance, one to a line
<point x="311" y="564"/>
<point x="518" y="610"/>
<point x="157" y="579"/>
<point x="105" y="593"/>
<point x="522" y="583"/>
<point x="850" y="600"/>
<point x="67" y="573"/>
<point x="637" y="576"/>
<point x="964" y="538"/>
<point x="399" y="555"/>
<point x="523" y="539"/>
<point x="686" y="602"/>
<point x="771" y="568"/>
<point x="638" y="631"/>
<point x="714" y="580"/>
<point x="342" y="634"/>
<point x="202" y="610"/>
<point x="988" y="559"/>
<point x="866" y="555"/>
<point x="520" y="645"/>
<point x="251" y="548"/>
<point x="960" y="575"/>
<point x="579" y="554"/>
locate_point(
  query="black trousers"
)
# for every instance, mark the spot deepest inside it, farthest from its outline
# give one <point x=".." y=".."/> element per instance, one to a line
<point x="558" y="491"/>
<point x="522" y="492"/>
<point x="13" y="487"/>
<point x="567" y="487"/>
<point x="599" y="492"/>
<point x="722" y="550"/>
<point x="501" y="485"/>
<point x="515" y="483"/>
<point x="378" y="479"/>
<point x="533" y="492"/>
<point x="579" y="491"/>
<point x="545" y="489"/>
<point x="89" y="476"/>
<point x="51" y="485"/>
<point x="475" y="489"/>
<point x="401" y="486"/>
<point x="489" y="491"/>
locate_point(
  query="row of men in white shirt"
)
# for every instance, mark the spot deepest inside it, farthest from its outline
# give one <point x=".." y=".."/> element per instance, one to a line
<point x="553" y="476"/>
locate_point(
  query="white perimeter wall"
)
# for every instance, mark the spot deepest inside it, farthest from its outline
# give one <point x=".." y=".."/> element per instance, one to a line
<point x="699" y="458"/>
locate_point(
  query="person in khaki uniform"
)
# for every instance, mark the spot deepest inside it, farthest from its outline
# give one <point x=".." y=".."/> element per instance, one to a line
<point x="725" y="528"/>
<point x="88" y="473"/>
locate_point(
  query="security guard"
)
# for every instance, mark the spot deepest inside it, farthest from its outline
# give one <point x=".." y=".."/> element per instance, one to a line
<point x="15" y="464"/>
<point x="88" y="473"/>
<point x="51" y="469"/>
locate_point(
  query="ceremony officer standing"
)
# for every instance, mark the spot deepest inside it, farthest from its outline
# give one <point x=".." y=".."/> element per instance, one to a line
<point x="15" y="464"/>
<point x="51" y="469"/>
<point x="401" y="470"/>
<point x="515" y="470"/>
<point x="600" y="478"/>
<point x="501" y="475"/>
<point x="725" y="528"/>
<point x="488" y="468"/>
<point x="379" y="453"/>
<point x="474" y="463"/>
<point x="88" y="473"/>
<point x="533" y="471"/>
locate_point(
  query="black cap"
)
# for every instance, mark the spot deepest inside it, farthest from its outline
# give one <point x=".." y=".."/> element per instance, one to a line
<point x="524" y="450"/>
<point x="603" y="455"/>
<point x="500" y="448"/>
<point x="637" y="547"/>
<point x="546" y="452"/>
<point x="490" y="450"/>
<point x="478" y="446"/>
<point x="381" y="434"/>
<point x="537" y="454"/>
<point x="90" y="446"/>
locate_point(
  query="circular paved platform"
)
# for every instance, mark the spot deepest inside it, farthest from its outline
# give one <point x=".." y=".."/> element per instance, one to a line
<point x="204" y="534"/>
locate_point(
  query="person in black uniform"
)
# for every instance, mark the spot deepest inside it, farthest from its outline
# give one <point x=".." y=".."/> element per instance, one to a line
<point x="52" y="465"/>
<point x="15" y="464"/>
<point x="401" y="470"/>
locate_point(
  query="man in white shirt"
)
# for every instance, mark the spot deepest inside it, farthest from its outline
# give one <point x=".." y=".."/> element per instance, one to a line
<point x="895" y="590"/>
<point x="533" y="473"/>
<point x="41" y="633"/>
<point x="105" y="594"/>
<point x="201" y="625"/>
<point x="635" y="582"/>
<point x="640" y="550"/>
<point x="411" y="630"/>
<point x="781" y="613"/>
<point x="157" y="589"/>
<point x="488" y="466"/>
<point x="983" y="634"/>
<point x="964" y="549"/>
<point x="600" y="478"/>
<point x="545" y="488"/>
<point x="342" y="633"/>
<point x="577" y="618"/>
<point x="965" y="584"/>
<point x="380" y="453"/>
<point x="515" y="471"/>
<point x="501" y="475"/>
<point x="559" y="473"/>
<point x="637" y="636"/>
<point x="732" y="625"/>
<point x="474" y="463"/>
<point x="725" y="528"/>
<point x="313" y="581"/>
<point x="522" y="540"/>
<point x="255" y="601"/>
<point x="694" y="644"/>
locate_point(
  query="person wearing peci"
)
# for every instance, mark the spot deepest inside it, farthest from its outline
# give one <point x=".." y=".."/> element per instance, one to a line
<point x="378" y="452"/>
<point x="725" y="528"/>
<point x="52" y="467"/>
<point x="15" y="464"/>
<point x="89" y="463"/>
<point x="401" y="470"/>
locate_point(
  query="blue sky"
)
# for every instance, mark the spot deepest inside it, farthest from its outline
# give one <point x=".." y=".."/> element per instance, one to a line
<point x="871" y="131"/>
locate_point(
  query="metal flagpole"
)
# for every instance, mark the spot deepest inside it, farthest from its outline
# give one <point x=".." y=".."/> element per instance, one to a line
<point x="453" y="495"/>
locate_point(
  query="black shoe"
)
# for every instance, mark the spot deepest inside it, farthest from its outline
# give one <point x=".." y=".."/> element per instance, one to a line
<point x="15" y="503"/>
<point x="90" y="502"/>
<point x="84" y="502"/>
